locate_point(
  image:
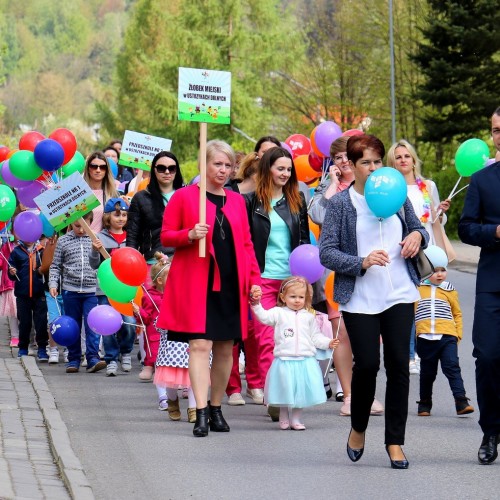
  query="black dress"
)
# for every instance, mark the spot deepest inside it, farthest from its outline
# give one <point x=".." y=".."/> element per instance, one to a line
<point x="223" y="307"/>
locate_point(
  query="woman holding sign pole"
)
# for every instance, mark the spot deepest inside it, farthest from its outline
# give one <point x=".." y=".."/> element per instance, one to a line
<point x="205" y="301"/>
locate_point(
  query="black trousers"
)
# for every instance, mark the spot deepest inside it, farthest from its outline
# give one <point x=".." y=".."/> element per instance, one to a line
<point x="486" y="340"/>
<point x="364" y="330"/>
<point x="32" y="311"/>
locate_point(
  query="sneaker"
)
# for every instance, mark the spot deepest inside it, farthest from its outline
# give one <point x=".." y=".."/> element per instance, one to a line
<point x="54" y="356"/>
<point x="424" y="408"/>
<point x="84" y="362"/>
<point x="32" y="350"/>
<point x="111" y="369"/>
<point x="345" y="410"/>
<point x="95" y="365"/>
<point x="65" y="355"/>
<point x="414" y="369"/>
<point x="462" y="405"/>
<point x="163" y="403"/>
<point x="377" y="408"/>
<point x="241" y="368"/>
<point x="339" y="397"/>
<point x="126" y="362"/>
<point x="146" y="374"/>
<point x="14" y="342"/>
<point x="257" y="395"/>
<point x="22" y="352"/>
<point x="73" y="367"/>
<point x="42" y="355"/>
<point x="236" y="399"/>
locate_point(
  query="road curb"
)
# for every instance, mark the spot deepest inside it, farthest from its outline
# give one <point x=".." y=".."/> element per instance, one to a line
<point x="71" y="469"/>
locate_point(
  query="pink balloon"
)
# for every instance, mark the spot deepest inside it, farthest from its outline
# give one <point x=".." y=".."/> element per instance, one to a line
<point x="284" y="145"/>
<point x="104" y="320"/>
<point x="326" y="133"/>
<point x="353" y="131"/>
<point x="299" y="144"/>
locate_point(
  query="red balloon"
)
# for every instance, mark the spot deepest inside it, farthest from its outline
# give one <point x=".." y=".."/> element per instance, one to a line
<point x="299" y="144"/>
<point x="30" y="139"/>
<point x="315" y="161"/>
<point x="68" y="142"/>
<point x="4" y="151"/>
<point x="353" y="131"/>
<point x="129" y="266"/>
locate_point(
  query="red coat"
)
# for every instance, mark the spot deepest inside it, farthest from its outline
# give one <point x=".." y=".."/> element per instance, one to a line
<point x="184" y="306"/>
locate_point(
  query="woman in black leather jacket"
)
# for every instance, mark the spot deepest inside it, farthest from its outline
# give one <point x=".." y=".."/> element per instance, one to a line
<point x="145" y="215"/>
<point x="277" y="213"/>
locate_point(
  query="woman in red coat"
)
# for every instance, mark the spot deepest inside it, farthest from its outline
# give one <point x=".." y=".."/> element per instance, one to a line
<point x="206" y="299"/>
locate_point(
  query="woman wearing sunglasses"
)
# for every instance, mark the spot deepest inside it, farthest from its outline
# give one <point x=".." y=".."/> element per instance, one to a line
<point x="145" y="214"/>
<point x="99" y="177"/>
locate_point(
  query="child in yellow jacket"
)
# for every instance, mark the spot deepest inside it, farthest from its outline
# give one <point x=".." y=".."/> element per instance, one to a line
<point x="438" y="320"/>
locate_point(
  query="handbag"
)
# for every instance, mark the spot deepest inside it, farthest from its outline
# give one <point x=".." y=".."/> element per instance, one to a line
<point x="424" y="266"/>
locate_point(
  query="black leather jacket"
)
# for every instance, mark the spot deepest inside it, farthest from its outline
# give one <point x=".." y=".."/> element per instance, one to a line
<point x="260" y="225"/>
<point x="144" y="226"/>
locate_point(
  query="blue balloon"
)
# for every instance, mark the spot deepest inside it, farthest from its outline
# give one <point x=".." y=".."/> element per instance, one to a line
<point x="49" y="155"/>
<point x="48" y="228"/>
<point x="385" y="192"/>
<point x="65" y="331"/>
<point x="313" y="239"/>
<point x="113" y="166"/>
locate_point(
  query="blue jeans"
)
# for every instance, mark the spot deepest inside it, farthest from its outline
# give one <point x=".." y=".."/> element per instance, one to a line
<point x="433" y="351"/>
<point x="412" y="342"/>
<point x="122" y="342"/>
<point x="52" y="309"/>
<point x="76" y="306"/>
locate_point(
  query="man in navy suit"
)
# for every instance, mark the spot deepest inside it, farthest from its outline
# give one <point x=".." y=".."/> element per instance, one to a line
<point x="480" y="226"/>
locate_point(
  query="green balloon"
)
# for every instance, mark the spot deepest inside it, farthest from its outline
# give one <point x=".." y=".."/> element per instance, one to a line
<point x="112" y="286"/>
<point x="76" y="164"/>
<point x="23" y="166"/>
<point x="7" y="203"/>
<point x="471" y="156"/>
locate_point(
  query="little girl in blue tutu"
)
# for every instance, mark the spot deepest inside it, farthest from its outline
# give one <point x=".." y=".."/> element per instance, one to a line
<point x="294" y="380"/>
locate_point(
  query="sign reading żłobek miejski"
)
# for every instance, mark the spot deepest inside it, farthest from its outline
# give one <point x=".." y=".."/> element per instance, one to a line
<point x="204" y="95"/>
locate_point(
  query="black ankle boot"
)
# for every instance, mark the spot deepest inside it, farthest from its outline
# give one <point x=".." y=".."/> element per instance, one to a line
<point x="217" y="421"/>
<point x="200" y="428"/>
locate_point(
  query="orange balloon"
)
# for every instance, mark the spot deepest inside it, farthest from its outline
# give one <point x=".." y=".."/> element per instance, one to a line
<point x="305" y="172"/>
<point x="329" y="291"/>
<point x="313" y="144"/>
<point x="11" y="152"/>
<point x="126" y="309"/>
<point x="314" y="228"/>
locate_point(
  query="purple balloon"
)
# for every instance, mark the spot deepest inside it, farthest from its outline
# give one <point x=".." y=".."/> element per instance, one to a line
<point x="284" y="145"/>
<point x="304" y="261"/>
<point x="326" y="133"/>
<point x="28" y="227"/>
<point x="104" y="320"/>
<point x="26" y="194"/>
<point x="10" y="179"/>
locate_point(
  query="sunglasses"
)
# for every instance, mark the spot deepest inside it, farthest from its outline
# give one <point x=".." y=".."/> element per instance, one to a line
<point x="93" y="166"/>
<point x="161" y="169"/>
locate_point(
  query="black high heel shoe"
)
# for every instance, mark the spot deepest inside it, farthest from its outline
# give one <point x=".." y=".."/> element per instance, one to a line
<point x="217" y="421"/>
<point x="200" y="428"/>
<point x="397" y="464"/>
<point x="355" y="454"/>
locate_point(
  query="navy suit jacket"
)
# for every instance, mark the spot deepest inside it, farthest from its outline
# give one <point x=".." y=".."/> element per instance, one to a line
<point x="478" y="224"/>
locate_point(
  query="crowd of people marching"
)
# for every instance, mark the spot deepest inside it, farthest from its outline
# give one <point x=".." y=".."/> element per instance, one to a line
<point x="204" y="322"/>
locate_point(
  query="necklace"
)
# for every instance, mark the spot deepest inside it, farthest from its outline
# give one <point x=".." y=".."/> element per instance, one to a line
<point x="221" y="231"/>
<point x="426" y="205"/>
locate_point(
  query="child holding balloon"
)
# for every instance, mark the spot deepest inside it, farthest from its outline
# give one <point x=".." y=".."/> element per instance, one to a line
<point x="118" y="346"/>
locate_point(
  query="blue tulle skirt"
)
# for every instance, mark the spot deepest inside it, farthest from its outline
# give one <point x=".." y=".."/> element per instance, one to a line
<point x="296" y="383"/>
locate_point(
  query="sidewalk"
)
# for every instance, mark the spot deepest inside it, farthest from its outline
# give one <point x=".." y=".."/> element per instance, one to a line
<point x="36" y="459"/>
<point x="467" y="257"/>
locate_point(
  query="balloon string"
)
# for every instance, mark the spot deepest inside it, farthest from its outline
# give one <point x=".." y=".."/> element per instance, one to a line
<point x="142" y="323"/>
<point x="330" y="361"/>
<point x="382" y="243"/>
<point x="57" y="305"/>
<point x="8" y="265"/>
<point x="151" y="298"/>
<point x="133" y="324"/>
<point x="450" y="196"/>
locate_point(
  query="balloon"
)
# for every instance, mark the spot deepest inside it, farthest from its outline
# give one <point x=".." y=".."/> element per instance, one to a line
<point x="299" y="144"/>
<point x="284" y="145"/>
<point x="471" y="156"/>
<point x="22" y="165"/>
<point x="26" y="194"/>
<point x="49" y="155"/>
<point x="112" y="286"/>
<point x="9" y="179"/>
<point x="47" y="227"/>
<point x="7" y="203"/>
<point x="490" y="162"/>
<point x="313" y="239"/>
<point x="304" y="261"/>
<point x="437" y="256"/>
<point x="4" y="151"/>
<point x="104" y="320"/>
<point x="67" y="140"/>
<point x="385" y="191"/>
<point x="11" y="153"/>
<point x="315" y="161"/>
<point x="129" y="266"/>
<point x="314" y="228"/>
<point x="28" y="226"/>
<point x="326" y="133"/>
<point x="329" y="291"/>
<point x="65" y="331"/>
<point x="30" y="139"/>
<point x="126" y="309"/>
<point x="314" y="146"/>
<point x="305" y="172"/>
<point x="76" y="164"/>
<point x="353" y="131"/>
<point x="113" y="166"/>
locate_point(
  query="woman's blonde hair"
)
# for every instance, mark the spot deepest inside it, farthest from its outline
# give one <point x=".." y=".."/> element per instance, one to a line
<point x="215" y="146"/>
<point x="161" y="266"/>
<point x="292" y="282"/>
<point x="391" y="156"/>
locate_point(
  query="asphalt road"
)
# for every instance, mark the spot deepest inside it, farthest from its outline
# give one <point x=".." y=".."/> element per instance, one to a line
<point x="130" y="450"/>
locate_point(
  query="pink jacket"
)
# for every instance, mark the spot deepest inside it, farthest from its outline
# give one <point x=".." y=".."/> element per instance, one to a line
<point x="185" y="293"/>
<point x="5" y="282"/>
<point x="149" y="313"/>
